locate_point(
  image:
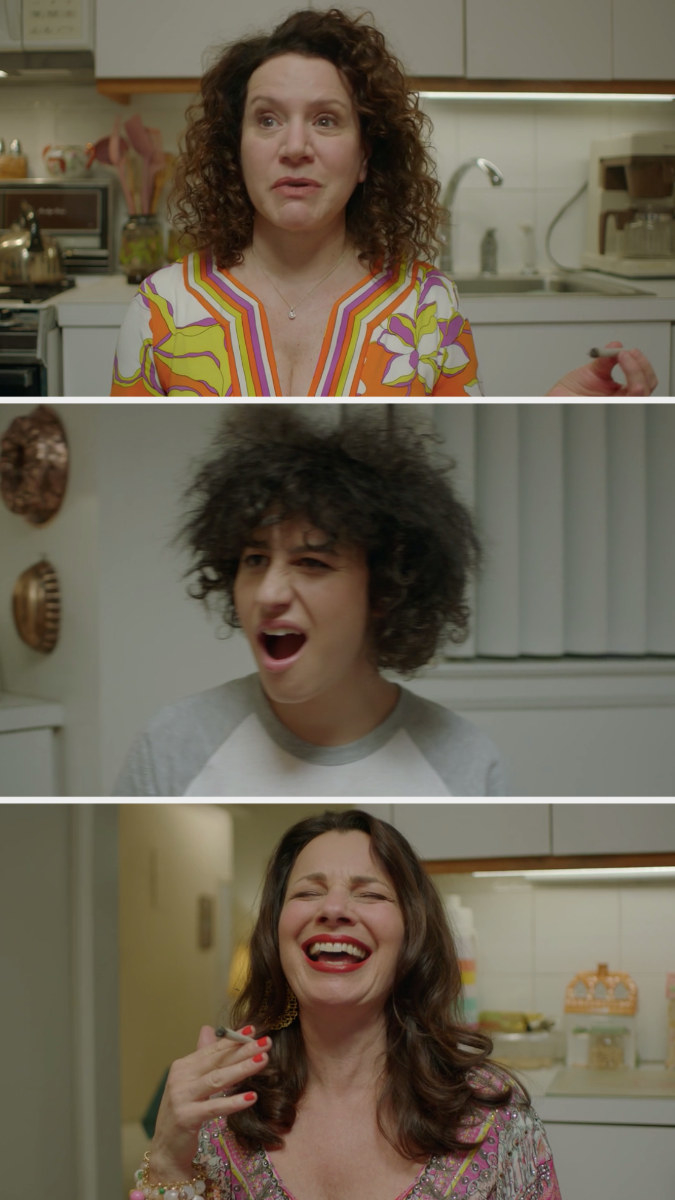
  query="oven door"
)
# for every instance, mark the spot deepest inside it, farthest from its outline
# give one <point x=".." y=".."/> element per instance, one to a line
<point x="22" y="380"/>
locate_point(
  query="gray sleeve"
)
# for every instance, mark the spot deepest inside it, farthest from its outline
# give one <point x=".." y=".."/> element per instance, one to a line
<point x="138" y="776"/>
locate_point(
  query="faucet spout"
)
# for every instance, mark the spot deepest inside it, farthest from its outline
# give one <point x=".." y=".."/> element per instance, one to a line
<point x="496" y="179"/>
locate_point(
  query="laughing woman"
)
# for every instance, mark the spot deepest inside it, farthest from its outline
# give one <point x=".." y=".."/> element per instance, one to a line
<point x="369" y="1087"/>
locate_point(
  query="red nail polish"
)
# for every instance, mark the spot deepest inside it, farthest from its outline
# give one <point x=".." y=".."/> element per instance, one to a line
<point x="258" y="1057"/>
<point x="262" y="1041"/>
<point x="247" y="1030"/>
<point x="249" y="1095"/>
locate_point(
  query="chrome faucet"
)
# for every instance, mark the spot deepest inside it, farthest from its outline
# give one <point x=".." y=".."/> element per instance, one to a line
<point x="496" y="178"/>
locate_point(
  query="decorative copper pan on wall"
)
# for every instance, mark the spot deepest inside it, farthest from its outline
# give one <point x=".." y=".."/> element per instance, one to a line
<point x="34" y="465"/>
<point x="36" y="606"/>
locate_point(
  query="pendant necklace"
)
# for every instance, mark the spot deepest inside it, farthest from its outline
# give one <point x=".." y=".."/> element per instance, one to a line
<point x="292" y="308"/>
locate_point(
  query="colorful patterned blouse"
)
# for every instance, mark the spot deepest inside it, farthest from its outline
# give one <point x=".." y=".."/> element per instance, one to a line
<point x="194" y="330"/>
<point x="513" y="1163"/>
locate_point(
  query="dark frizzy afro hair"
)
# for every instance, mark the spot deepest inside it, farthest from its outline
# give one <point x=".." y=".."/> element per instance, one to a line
<point x="368" y="480"/>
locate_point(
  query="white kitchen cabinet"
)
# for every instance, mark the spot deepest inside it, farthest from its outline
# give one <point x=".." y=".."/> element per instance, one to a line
<point x="439" y="831"/>
<point x="46" y="25"/>
<point x="613" y="1162"/>
<point x="150" y="39"/>
<point x="88" y="356"/>
<point x="643" y="38"/>
<point x="539" y="39"/>
<point x="527" y="358"/>
<point x="428" y="37"/>
<point x="28" y="750"/>
<point x="613" y="829"/>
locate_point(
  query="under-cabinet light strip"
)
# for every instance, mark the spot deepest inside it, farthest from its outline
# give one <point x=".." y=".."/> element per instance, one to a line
<point x="580" y="873"/>
<point x="648" y="97"/>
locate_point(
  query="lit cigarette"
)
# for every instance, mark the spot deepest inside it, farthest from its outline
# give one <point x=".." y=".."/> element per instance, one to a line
<point x="596" y="352"/>
<point x="223" y="1032"/>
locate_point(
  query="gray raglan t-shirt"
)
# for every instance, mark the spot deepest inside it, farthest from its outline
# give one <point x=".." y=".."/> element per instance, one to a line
<point x="228" y="742"/>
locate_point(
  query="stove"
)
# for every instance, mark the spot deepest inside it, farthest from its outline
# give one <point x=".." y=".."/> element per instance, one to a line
<point x="33" y="293"/>
<point x="30" y="350"/>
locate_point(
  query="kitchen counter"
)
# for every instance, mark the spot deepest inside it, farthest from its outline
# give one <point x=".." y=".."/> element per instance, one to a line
<point x="103" y="300"/>
<point x="648" y="1095"/>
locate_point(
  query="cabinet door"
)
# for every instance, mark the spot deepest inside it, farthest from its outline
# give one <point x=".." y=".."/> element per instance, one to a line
<point x="439" y="831"/>
<point x="644" y="36"/>
<point x="527" y="358"/>
<point x="27" y="763"/>
<point x="428" y="37"/>
<point x="613" y="828"/>
<point x="88" y="356"/>
<point x="538" y="39"/>
<point x="151" y="39"/>
<point x="613" y="1162"/>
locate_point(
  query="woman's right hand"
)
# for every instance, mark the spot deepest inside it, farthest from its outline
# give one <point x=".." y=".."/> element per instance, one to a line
<point x="193" y="1095"/>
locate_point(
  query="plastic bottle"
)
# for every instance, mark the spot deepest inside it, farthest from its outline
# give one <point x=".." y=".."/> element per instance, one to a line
<point x="461" y="921"/>
<point x="670" y="1042"/>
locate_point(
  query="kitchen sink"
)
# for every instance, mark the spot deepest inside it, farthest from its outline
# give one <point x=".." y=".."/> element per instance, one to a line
<point x="543" y="285"/>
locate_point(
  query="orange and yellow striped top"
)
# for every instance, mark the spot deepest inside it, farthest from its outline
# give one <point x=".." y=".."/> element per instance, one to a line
<point x="194" y="330"/>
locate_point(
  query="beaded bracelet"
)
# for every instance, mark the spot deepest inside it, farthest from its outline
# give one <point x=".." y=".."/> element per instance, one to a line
<point x="190" y="1189"/>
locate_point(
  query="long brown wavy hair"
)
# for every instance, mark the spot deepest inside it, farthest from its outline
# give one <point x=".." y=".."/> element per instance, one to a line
<point x="391" y="217"/>
<point x="432" y="1079"/>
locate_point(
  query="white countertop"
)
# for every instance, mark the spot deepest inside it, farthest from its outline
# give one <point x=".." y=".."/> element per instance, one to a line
<point x="28" y="712"/>
<point x="637" y="1109"/>
<point x="103" y="301"/>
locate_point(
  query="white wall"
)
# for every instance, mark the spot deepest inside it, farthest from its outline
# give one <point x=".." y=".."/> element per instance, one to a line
<point x="532" y="939"/>
<point x="541" y="147"/>
<point x="131" y="640"/>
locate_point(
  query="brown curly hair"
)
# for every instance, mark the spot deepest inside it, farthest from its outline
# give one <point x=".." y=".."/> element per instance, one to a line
<point x="437" y="1071"/>
<point x="392" y="217"/>
<point x="364" y="483"/>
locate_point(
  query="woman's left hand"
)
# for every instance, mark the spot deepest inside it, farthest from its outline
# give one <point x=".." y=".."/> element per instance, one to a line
<point x="595" y="378"/>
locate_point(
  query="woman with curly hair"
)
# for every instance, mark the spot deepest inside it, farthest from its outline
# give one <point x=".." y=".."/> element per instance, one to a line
<point x="370" y="1085"/>
<point x="342" y="551"/>
<point x="307" y="190"/>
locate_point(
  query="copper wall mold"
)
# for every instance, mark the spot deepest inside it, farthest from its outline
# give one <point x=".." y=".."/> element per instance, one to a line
<point x="36" y="606"/>
<point x="34" y="465"/>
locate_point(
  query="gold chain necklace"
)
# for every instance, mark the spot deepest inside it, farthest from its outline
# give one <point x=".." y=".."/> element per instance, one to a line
<point x="292" y="313"/>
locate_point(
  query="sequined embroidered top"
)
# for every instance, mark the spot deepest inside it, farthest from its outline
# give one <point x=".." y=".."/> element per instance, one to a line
<point x="513" y="1162"/>
<point x="194" y="330"/>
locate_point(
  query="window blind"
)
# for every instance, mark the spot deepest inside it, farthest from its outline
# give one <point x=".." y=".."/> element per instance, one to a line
<point x="575" y="505"/>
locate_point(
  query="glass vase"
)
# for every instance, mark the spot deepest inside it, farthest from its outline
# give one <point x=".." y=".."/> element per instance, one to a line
<point x="141" y="246"/>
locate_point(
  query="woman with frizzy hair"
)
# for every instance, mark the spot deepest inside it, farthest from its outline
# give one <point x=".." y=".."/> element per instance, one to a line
<point x="342" y="551"/>
<point x="359" y="1078"/>
<point x="308" y="198"/>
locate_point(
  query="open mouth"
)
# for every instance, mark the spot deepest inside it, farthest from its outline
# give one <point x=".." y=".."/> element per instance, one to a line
<point x="282" y="643"/>
<point x="336" y="954"/>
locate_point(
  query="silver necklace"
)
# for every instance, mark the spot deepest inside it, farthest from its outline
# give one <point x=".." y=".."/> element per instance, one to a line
<point x="292" y="308"/>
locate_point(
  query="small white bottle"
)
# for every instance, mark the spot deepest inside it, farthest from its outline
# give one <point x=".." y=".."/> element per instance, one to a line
<point x="461" y="921"/>
<point x="670" y="1041"/>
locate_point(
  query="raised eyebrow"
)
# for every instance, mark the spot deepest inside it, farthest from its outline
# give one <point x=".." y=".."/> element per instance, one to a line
<point x="322" y="102"/>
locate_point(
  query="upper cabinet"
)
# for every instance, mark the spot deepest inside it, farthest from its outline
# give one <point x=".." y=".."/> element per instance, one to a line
<point x="539" y="39"/>
<point x="443" y="39"/>
<point x="644" y="37"/>
<point x="427" y="36"/>
<point x="453" y="831"/>
<point x="156" y="39"/>
<point x="613" y="828"/>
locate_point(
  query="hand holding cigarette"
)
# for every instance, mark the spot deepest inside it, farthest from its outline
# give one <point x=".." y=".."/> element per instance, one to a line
<point x="596" y="379"/>
<point x="201" y="1087"/>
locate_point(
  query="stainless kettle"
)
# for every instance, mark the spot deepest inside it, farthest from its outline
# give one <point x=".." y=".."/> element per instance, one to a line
<point x="27" y="255"/>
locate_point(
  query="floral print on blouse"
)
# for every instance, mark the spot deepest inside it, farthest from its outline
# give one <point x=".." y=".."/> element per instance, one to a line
<point x="194" y="330"/>
<point x="512" y="1162"/>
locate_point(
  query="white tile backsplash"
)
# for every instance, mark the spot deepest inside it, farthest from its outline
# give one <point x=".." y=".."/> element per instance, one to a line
<point x="542" y="148"/>
<point x="532" y="939"/>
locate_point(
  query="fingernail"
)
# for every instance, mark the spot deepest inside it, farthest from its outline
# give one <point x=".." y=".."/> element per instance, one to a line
<point x="247" y="1030"/>
<point x="249" y="1095"/>
<point x="258" y="1057"/>
<point x="262" y="1041"/>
